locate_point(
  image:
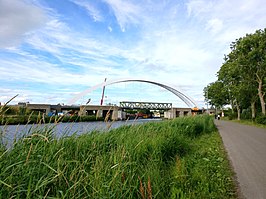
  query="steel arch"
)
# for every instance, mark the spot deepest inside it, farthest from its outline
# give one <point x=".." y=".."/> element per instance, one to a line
<point x="189" y="102"/>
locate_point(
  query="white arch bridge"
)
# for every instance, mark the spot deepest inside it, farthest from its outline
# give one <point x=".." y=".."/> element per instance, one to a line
<point x="187" y="100"/>
<point x="117" y="112"/>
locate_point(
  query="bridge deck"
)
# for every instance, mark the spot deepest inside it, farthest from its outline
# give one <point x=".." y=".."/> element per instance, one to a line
<point x="145" y="105"/>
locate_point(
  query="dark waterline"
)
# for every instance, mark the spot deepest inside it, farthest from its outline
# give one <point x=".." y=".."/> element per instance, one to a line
<point x="9" y="133"/>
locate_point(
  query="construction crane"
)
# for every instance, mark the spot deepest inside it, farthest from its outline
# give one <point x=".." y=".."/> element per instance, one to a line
<point x="101" y="103"/>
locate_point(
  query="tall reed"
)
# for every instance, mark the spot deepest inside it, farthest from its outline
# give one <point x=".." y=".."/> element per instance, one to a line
<point x="154" y="160"/>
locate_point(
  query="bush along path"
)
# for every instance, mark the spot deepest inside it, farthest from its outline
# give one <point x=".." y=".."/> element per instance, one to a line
<point x="182" y="158"/>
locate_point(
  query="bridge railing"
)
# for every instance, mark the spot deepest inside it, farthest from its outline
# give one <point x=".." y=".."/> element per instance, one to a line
<point x="145" y="105"/>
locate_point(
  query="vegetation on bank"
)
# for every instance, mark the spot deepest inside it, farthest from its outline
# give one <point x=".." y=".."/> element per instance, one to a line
<point x="181" y="158"/>
<point x="248" y="122"/>
<point x="259" y="120"/>
<point x="241" y="79"/>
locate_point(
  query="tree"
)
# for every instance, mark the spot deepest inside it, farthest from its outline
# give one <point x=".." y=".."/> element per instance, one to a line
<point x="216" y="95"/>
<point x="243" y="74"/>
<point x="251" y="56"/>
<point x="231" y="77"/>
<point x="250" y="95"/>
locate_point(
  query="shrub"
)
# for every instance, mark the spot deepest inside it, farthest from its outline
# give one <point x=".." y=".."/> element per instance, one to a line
<point x="261" y="119"/>
<point x="246" y="114"/>
<point x="232" y="116"/>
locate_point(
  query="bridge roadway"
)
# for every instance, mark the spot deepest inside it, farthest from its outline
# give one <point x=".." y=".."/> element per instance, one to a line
<point x="145" y="105"/>
<point x="116" y="112"/>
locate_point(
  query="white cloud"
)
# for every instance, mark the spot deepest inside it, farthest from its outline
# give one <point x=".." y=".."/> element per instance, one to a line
<point x="16" y="19"/>
<point x="92" y="10"/>
<point x="178" y="47"/>
<point x="226" y="17"/>
<point x="214" y="25"/>
<point x="126" y="12"/>
<point x="199" y="7"/>
<point x="42" y="72"/>
<point x="28" y="95"/>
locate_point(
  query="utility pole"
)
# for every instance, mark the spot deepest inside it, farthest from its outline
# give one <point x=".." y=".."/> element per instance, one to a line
<point x="207" y="101"/>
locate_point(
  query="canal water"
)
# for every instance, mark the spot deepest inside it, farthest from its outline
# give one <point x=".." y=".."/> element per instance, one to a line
<point x="9" y="133"/>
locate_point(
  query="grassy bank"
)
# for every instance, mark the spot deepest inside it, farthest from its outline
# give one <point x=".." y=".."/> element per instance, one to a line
<point x="182" y="158"/>
<point x="250" y="123"/>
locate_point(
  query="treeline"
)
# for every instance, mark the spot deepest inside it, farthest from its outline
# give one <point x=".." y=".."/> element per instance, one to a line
<point x="242" y="78"/>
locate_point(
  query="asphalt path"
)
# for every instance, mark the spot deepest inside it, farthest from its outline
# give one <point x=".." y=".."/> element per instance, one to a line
<point x="246" y="148"/>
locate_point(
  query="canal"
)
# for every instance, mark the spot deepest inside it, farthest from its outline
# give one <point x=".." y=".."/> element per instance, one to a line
<point x="9" y="133"/>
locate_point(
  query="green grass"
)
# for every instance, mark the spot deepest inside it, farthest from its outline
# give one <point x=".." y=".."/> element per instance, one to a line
<point x="206" y="173"/>
<point x="248" y="122"/>
<point x="182" y="158"/>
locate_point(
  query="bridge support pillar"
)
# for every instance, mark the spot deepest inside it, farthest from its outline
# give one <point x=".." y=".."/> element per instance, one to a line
<point x="82" y="111"/>
<point x="177" y="112"/>
<point x="101" y="111"/>
<point x="45" y="108"/>
<point x="170" y="114"/>
<point x="115" y="115"/>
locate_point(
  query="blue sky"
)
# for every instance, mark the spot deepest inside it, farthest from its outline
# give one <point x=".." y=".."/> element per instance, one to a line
<point x="51" y="50"/>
